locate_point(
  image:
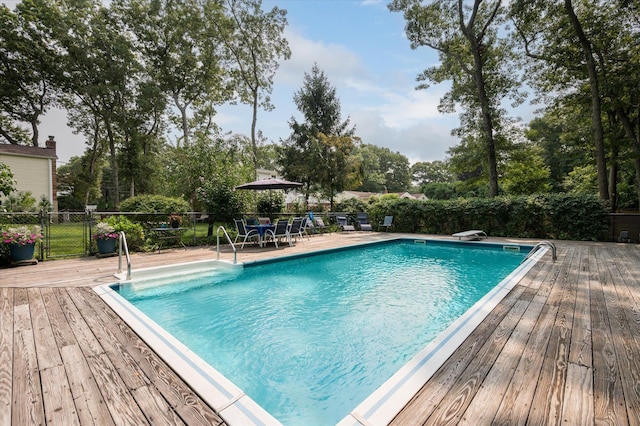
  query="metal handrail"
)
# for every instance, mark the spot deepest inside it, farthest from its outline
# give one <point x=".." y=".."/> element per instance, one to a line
<point x="235" y="260"/>
<point x="541" y="244"/>
<point x="123" y="241"/>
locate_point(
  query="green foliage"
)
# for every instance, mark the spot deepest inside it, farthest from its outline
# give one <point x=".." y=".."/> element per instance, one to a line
<point x="133" y="231"/>
<point x="221" y="201"/>
<point x="270" y="203"/>
<point x="557" y="216"/>
<point x="21" y="201"/>
<point x="155" y="204"/>
<point x="351" y="205"/>
<point x="7" y="183"/>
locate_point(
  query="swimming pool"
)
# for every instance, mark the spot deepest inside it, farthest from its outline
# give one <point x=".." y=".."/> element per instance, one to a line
<point x="273" y="321"/>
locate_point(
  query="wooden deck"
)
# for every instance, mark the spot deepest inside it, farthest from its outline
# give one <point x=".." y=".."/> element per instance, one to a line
<point x="562" y="347"/>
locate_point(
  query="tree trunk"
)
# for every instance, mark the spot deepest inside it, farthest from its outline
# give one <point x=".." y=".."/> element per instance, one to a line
<point x="596" y="106"/>
<point x="185" y="122"/>
<point x="114" y="165"/>
<point x="633" y="134"/>
<point x="254" y="145"/>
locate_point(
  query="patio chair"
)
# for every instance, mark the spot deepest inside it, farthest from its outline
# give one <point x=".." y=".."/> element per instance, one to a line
<point x="624" y="237"/>
<point x="320" y="226"/>
<point x="297" y="228"/>
<point x="280" y="231"/>
<point x="343" y="224"/>
<point x="386" y="224"/>
<point x="363" y="222"/>
<point x="252" y="221"/>
<point x="244" y="234"/>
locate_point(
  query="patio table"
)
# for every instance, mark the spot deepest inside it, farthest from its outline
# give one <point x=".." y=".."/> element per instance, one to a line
<point x="262" y="229"/>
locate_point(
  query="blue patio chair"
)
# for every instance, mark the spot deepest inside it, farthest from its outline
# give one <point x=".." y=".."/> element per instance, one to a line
<point x="297" y="228"/>
<point x="363" y="222"/>
<point x="386" y="224"/>
<point x="244" y="234"/>
<point x="343" y="224"/>
<point x="280" y="231"/>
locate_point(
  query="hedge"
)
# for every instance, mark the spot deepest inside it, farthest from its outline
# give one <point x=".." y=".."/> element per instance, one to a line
<point x="547" y="216"/>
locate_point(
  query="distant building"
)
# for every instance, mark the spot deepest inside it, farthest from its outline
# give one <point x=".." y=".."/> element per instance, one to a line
<point x="34" y="169"/>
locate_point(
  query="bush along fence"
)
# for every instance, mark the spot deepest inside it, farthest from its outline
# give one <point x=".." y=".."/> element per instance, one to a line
<point x="549" y="216"/>
<point x="553" y="216"/>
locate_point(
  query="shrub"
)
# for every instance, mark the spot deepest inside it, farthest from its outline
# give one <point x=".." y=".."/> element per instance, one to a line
<point x="133" y="231"/>
<point x="154" y="203"/>
<point x="558" y="216"/>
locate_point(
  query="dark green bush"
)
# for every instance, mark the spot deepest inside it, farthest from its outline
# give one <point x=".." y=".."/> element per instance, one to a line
<point x="153" y="204"/>
<point x="133" y="231"/>
<point x="557" y="216"/>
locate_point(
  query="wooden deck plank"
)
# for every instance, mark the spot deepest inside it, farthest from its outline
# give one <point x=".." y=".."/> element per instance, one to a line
<point x="609" y="406"/>
<point x="122" y="406"/>
<point x="58" y="402"/>
<point x="155" y="407"/>
<point x="549" y="395"/>
<point x="90" y="405"/>
<point x="27" y="406"/>
<point x="46" y="346"/>
<point x="187" y="403"/>
<point x="6" y="354"/>
<point x="455" y="403"/>
<point x="626" y="343"/>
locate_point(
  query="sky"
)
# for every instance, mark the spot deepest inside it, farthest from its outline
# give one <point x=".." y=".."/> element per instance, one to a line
<point x="361" y="48"/>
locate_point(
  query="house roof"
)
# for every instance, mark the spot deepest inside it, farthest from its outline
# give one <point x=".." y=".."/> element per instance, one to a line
<point x="27" y="151"/>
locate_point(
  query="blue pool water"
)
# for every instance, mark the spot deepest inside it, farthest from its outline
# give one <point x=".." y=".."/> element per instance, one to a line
<point x="309" y="338"/>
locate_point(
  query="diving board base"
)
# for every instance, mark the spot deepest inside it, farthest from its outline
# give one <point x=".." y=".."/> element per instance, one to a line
<point x="473" y="234"/>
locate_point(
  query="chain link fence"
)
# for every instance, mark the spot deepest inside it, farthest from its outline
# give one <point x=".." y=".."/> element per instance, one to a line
<point x="69" y="234"/>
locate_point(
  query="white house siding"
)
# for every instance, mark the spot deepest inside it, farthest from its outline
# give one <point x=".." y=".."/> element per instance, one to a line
<point x="33" y="169"/>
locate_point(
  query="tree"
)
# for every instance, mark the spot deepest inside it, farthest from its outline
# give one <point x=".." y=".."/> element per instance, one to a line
<point x="526" y="172"/>
<point x="80" y="179"/>
<point x="30" y="73"/>
<point x="180" y="42"/>
<point x="472" y="57"/>
<point x="255" y="45"/>
<point x="7" y="183"/>
<point x="424" y="172"/>
<point x="383" y="170"/>
<point x="300" y="156"/>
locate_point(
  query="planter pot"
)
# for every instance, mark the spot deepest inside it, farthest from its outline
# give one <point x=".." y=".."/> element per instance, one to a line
<point x="21" y="252"/>
<point x="106" y="246"/>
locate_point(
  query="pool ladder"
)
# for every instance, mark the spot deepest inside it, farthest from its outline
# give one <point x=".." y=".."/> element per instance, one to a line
<point x="235" y="254"/>
<point x="123" y="242"/>
<point x="541" y="244"/>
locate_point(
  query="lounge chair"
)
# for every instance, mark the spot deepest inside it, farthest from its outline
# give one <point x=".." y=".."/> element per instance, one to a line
<point x="473" y="234"/>
<point x="320" y="226"/>
<point x="386" y="224"/>
<point x="343" y="224"/>
<point x="363" y="222"/>
<point x="243" y="233"/>
<point x="624" y="237"/>
<point x="297" y="228"/>
<point x="280" y="231"/>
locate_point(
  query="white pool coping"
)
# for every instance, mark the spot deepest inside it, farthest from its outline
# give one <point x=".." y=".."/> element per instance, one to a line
<point x="237" y="408"/>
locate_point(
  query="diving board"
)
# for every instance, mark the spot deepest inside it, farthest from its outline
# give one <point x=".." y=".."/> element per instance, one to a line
<point x="473" y="234"/>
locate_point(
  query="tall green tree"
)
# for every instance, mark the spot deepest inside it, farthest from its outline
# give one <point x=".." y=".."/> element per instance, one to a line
<point x="472" y="57"/>
<point x="181" y="43"/>
<point x="301" y="156"/>
<point x="255" y="45"/>
<point x="424" y="172"/>
<point x="30" y="73"/>
<point x="383" y="170"/>
<point x="7" y="183"/>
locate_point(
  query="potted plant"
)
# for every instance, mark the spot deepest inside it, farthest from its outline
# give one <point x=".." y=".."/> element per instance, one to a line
<point x="105" y="237"/>
<point x="175" y="220"/>
<point x="21" y="241"/>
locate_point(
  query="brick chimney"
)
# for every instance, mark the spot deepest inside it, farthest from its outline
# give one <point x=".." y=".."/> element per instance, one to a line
<point x="51" y="144"/>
